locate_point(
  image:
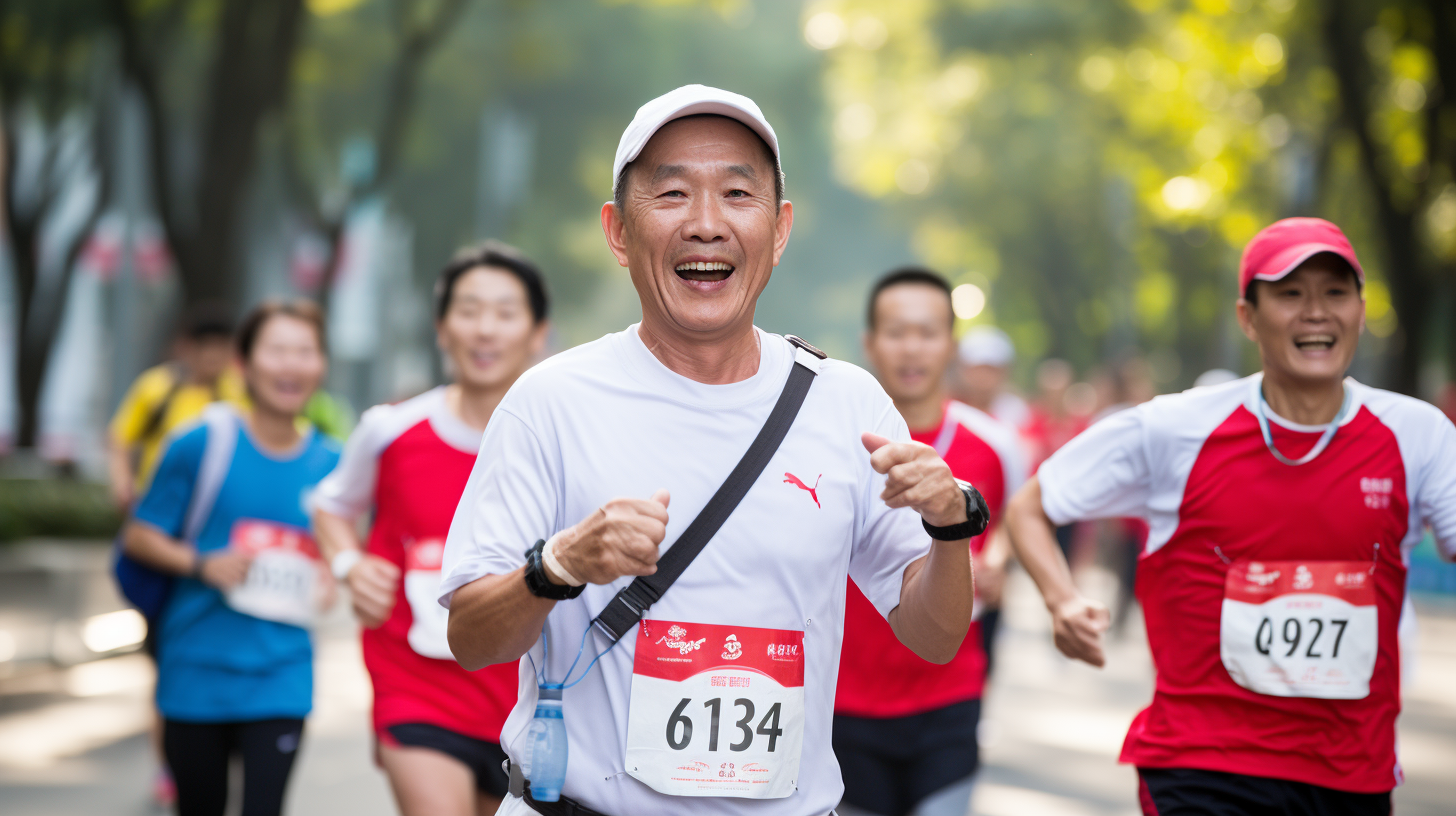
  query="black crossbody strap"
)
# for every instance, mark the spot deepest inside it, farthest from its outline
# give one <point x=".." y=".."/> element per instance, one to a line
<point x="628" y="607"/>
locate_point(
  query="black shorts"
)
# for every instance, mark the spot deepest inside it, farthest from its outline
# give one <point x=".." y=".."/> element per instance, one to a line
<point x="891" y="764"/>
<point x="482" y="757"/>
<point x="1192" y="792"/>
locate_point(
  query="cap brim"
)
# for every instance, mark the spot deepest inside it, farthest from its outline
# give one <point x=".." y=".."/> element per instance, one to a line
<point x="1290" y="259"/>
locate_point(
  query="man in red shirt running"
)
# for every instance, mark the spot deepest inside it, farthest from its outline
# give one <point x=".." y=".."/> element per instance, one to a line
<point x="437" y="726"/>
<point x="1281" y="509"/>
<point x="904" y="728"/>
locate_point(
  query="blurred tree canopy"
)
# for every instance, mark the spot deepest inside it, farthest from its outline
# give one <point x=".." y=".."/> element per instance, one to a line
<point x="1095" y="168"/>
<point x="1100" y="165"/>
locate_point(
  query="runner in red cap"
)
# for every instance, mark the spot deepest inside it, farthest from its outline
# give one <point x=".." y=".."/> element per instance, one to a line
<point x="437" y="726"/>
<point x="1281" y="507"/>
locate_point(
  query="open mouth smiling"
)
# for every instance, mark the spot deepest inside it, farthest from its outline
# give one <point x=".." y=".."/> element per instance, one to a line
<point x="1314" y="342"/>
<point x="704" y="271"/>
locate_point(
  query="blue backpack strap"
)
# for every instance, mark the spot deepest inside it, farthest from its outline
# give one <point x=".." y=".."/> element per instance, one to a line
<point x="146" y="588"/>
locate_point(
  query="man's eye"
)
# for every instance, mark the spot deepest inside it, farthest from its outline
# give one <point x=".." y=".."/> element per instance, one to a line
<point x="738" y="193"/>
<point x="676" y="193"/>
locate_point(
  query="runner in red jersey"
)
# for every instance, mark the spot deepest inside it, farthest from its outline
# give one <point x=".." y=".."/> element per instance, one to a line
<point x="437" y="725"/>
<point x="1281" y="510"/>
<point x="904" y="728"/>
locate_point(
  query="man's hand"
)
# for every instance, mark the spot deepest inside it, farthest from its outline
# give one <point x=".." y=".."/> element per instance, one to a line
<point x="620" y="538"/>
<point x="226" y="569"/>
<point x="1077" y="627"/>
<point x="918" y="478"/>
<point x="372" y="583"/>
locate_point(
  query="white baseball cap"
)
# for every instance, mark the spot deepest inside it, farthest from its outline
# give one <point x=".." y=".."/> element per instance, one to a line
<point x="689" y="100"/>
<point x="987" y="345"/>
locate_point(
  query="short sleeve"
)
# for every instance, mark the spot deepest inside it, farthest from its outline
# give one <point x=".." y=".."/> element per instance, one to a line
<point x="510" y="502"/>
<point x="165" y="504"/>
<point x="889" y="538"/>
<point x="1436" y="497"/>
<point x="140" y="400"/>
<point x="348" y="491"/>
<point x="1102" y="473"/>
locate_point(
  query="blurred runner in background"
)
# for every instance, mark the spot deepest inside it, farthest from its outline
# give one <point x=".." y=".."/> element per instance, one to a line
<point x="162" y="399"/>
<point x="986" y="355"/>
<point x="224" y="513"/>
<point x="169" y="395"/>
<point x="905" y="728"/>
<point x="1283" y="507"/>
<point x="437" y="726"/>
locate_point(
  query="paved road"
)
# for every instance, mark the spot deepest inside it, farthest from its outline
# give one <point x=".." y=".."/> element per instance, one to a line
<point x="71" y="741"/>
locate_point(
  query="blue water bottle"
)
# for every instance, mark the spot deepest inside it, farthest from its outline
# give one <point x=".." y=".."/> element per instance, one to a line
<point x="547" y="738"/>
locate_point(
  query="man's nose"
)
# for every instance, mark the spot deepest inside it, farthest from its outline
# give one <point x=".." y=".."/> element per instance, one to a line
<point x="705" y="221"/>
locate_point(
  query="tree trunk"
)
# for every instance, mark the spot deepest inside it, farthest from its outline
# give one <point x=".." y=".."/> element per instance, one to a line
<point x="1344" y="46"/>
<point x="253" y="50"/>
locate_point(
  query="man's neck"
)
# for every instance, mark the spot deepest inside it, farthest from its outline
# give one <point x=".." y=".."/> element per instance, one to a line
<point x="719" y="359"/>
<point x="923" y="413"/>
<point x="274" y="431"/>
<point x="473" y="406"/>
<point x="1303" y="401"/>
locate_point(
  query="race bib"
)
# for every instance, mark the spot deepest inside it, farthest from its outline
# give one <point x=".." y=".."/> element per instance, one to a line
<point x="716" y="710"/>
<point x="283" y="581"/>
<point x="1300" y="628"/>
<point x="421" y="589"/>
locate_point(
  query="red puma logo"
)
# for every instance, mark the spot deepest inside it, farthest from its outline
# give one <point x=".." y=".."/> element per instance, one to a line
<point x="790" y="478"/>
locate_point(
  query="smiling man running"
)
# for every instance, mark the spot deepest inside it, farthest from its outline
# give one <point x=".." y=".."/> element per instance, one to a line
<point x="1282" y="508"/>
<point x="723" y="694"/>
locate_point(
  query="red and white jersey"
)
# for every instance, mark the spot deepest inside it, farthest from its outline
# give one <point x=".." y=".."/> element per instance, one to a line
<point x="409" y="462"/>
<point x="1272" y="592"/>
<point x="878" y="675"/>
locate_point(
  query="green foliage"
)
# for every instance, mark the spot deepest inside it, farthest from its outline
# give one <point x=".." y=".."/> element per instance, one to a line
<point x="55" y="508"/>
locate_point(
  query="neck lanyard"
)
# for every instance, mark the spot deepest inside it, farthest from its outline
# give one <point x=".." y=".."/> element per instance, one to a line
<point x="1319" y="447"/>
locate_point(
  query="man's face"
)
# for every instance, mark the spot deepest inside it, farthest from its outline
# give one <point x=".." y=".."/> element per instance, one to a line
<point x="207" y="357"/>
<point x="983" y="382"/>
<point x="911" y="343"/>
<point x="1307" y="324"/>
<point x="488" y="333"/>
<point x="700" y="232"/>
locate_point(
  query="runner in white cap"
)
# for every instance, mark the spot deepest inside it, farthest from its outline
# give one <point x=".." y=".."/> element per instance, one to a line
<point x="713" y="694"/>
<point x="986" y="355"/>
<point x="1282" y="507"/>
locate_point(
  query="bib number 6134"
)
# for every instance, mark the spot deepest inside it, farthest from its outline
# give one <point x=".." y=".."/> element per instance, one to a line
<point x="680" y="726"/>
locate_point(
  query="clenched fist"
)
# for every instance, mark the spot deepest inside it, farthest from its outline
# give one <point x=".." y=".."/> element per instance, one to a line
<point x="918" y="478"/>
<point x="620" y="538"/>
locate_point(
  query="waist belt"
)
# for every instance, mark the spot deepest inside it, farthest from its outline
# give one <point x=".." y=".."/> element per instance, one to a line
<point x="564" y="807"/>
<point x="520" y="786"/>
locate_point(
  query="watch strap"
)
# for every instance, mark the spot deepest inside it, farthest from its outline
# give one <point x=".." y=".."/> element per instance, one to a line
<point x="537" y="582"/>
<point x="978" y="517"/>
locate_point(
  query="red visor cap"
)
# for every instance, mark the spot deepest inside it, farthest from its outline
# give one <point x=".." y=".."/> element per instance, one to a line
<point x="1282" y="246"/>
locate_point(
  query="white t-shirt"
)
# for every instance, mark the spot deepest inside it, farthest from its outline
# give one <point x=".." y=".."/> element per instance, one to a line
<point x="607" y="419"/>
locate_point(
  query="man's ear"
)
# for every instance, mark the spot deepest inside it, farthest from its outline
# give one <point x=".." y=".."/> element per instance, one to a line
<point x="784" y="224"/>
<point x="1245" y="312"/>
<point x="614" y="226"/>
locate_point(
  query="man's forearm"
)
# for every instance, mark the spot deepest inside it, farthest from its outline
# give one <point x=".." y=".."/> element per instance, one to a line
<point x="495" y="619"/>
<point x="1033" y="537"/>
<point x="936" y="599"/>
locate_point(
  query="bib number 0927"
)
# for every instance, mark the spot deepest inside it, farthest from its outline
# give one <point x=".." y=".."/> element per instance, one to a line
<point x="1292" y="632"/>
<point x="680" y="726"/>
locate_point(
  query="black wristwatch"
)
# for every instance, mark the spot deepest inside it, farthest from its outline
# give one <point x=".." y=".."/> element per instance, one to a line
<point x="541" y="586"/>
<point x="978" y="518"/>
